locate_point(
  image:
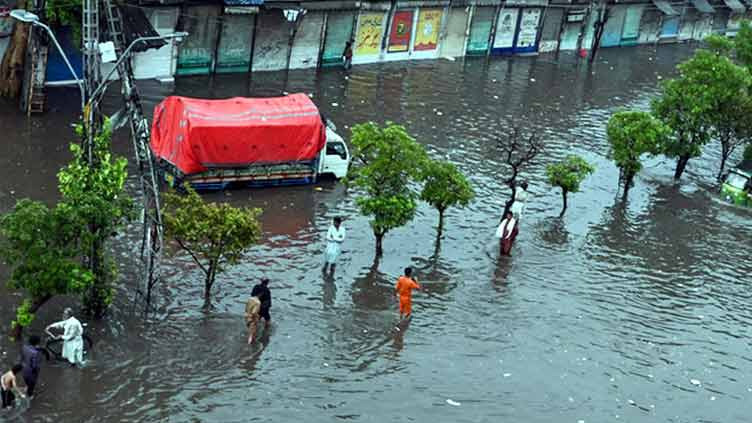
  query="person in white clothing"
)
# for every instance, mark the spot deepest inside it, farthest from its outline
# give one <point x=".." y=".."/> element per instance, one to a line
<point x="335" y="236"/>
<point x="520" y="198"/>
<point x="507" y="233"/>
<point x="73" y="342"/>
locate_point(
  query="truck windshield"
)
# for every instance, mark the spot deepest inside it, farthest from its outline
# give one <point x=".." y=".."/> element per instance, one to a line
<point x="335" y="149"/>
<point x="736" y="180"/>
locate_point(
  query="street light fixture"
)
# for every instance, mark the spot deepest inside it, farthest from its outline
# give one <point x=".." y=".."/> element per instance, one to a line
<point x="174" y="35"/>
<point x="28" y="17"/>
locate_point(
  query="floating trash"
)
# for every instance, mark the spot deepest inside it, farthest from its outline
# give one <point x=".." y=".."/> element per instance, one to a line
<point x="695" y="382"/>
<point x="507" y="374"/>
<point x="335" y="104"/>
<point x="454" y="403"/>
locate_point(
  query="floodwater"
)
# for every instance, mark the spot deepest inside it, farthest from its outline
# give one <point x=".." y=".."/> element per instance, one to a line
<point x="621" y="311"/>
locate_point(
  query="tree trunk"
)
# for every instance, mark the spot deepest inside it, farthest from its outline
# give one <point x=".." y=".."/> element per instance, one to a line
<point x="12" y="65"/>
<point x="725" y="153"/>
<point x="441" y="221"/>
<point x="508" y="204"/>
<point x="379" y="249"/>
<point x="681" y="164"/>
<point x="96" y="302"/>
<point x="628" y="178"/>
<point x="36" y="304"/>
<point x="564" y="199"/>
<point x="208" y="283"/>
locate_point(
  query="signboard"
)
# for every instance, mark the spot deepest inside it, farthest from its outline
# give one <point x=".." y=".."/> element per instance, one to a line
<point x="238" y="10"/>
<point x="368" y="39"/>
<point x="427" y="32"/>
<point x="402" y="28"/>
<point x="528" y="34"/>
<point x="505" y="28"/>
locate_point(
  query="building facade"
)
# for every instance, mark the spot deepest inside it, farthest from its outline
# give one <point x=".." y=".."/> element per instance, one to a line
<point x="240" y="36"/>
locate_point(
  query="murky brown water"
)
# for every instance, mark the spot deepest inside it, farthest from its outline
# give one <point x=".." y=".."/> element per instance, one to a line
<point x="605" y="315"/>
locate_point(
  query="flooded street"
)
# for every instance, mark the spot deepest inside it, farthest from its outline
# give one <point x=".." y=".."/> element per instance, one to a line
<point x="621" y="311"/>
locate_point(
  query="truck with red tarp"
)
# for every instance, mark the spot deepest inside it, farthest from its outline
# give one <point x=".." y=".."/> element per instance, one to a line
<point x="249" y="141"/>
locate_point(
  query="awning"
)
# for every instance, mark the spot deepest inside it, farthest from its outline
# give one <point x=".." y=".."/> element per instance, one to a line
<point x="243" y="2"/>
<point x="735" y="5"/>
<point x="421" y="3"/>
<point x="665" y="7"/>
<point x="331" y="5"/>
<point x="703" y="6"/>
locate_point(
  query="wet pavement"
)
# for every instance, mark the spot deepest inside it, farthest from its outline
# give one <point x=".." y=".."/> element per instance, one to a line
<point x="621" y="311"/>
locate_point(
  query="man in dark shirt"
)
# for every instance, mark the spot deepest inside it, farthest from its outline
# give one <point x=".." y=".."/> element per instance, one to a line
<point x="265" y="296"/>
<point x="30" y="358"/>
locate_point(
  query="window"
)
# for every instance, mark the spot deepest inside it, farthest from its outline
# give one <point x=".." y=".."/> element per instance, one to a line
<point x="734" y="179"/>
<point x="336" y="149"/>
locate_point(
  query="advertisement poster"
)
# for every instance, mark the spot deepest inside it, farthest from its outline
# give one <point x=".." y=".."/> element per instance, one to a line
<point x="427" y="32"/>
<point x="402" y="27"/>
<point x="505" y="28"/>
<point x="528" y="28"/>
<point x="368" y="40"/>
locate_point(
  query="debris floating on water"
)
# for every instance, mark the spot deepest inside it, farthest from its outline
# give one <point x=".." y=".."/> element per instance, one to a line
<point x="695" y="382"/>
<point x="335" y="104"/>
<point x="507" y="374"/>
<point x="454" y="403"/>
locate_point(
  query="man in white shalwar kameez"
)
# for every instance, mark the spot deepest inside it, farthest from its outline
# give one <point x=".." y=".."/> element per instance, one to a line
<point x="73" y="342"/>
<point x="335" y="236"/>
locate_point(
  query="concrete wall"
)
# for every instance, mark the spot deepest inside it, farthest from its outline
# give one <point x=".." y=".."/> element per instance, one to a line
<point x="455" y="33"/>
<point x="272" y="41"/>
<point x="307" y="44"/>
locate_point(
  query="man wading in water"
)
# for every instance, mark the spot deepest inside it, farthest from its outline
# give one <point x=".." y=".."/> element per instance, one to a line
<point x="252" y="311"/>
<point x="404" y="289"/>
<point x="73" y="341"/>
<point x="8" y="386"/>
<point x="30" y="357"/>
<point x="262" y="292"/>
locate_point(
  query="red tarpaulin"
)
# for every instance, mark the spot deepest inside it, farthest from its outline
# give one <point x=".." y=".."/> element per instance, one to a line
<point x="196" y="134"/>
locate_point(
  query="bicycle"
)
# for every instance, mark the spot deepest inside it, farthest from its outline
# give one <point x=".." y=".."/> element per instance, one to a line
<point x="53" y="348"/>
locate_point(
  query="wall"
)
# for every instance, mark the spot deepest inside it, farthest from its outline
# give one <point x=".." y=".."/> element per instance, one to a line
<point x="272" y="41"/>
<point x="159" y="63"/>
<point x="305" y="48"/>
<point x="455" y="33"/>
<point x="549" y="37"/>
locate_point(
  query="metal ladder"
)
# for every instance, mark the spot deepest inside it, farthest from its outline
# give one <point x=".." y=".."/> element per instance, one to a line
<point x="36" y="97"/>
<point x="151" y="241"/>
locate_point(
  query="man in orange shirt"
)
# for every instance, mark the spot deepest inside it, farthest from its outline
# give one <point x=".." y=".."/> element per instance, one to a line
<point x="404" y="289"/>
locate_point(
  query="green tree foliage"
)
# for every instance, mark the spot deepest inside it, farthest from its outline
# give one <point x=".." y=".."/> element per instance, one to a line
<point x="445" y="186"/>
<point x="213" y="234"/>
<point x="697" y="103"/>
<point x="41" y="247"/>
<point x="568" y="175"/>
<point x="388" y="163"/>
<point x="44" y="246"/>
<point x="632" y="134"/>
<point x="69" y="13"/>
<point x="748" y="152"/>
<point x="95" y="195"/>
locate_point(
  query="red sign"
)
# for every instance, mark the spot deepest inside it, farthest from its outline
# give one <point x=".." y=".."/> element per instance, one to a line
<point x="399" y="36"/>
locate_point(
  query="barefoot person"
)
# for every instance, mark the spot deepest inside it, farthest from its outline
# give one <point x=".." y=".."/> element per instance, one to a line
<point x="262" y="292"/>
<point x="507" y="232"/>
<point x="404" y="290"/>
<point x="73" y="342"/>
<point x="30" y="358"/>
<point x="335" y="236"/>
<point x="252" y="311"/>
<point x="9" y="387"/>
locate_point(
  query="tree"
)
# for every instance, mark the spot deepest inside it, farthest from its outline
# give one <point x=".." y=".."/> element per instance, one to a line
<point x="631" y="135"/>
<point x="748" y="152"/>
<point x="94" y="195"/>
<point x="445" y="186"/>
<point x="729" y="87"/>
<point x="568" y="175"/>
<point x="686" y="105"/>
<point x="41" y="247"/>
<point x="12" y="64"/>
<point x="518" y="151"/>
<point x="213" y="234"/>
<point x="389" y="162"/>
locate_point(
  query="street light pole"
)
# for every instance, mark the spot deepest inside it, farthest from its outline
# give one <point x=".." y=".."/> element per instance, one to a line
<point x="125" y="54"/>
<point x="28" y="17"/>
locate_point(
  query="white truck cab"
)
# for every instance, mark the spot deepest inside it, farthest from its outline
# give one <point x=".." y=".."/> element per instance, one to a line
<point x="335" y="157"/>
